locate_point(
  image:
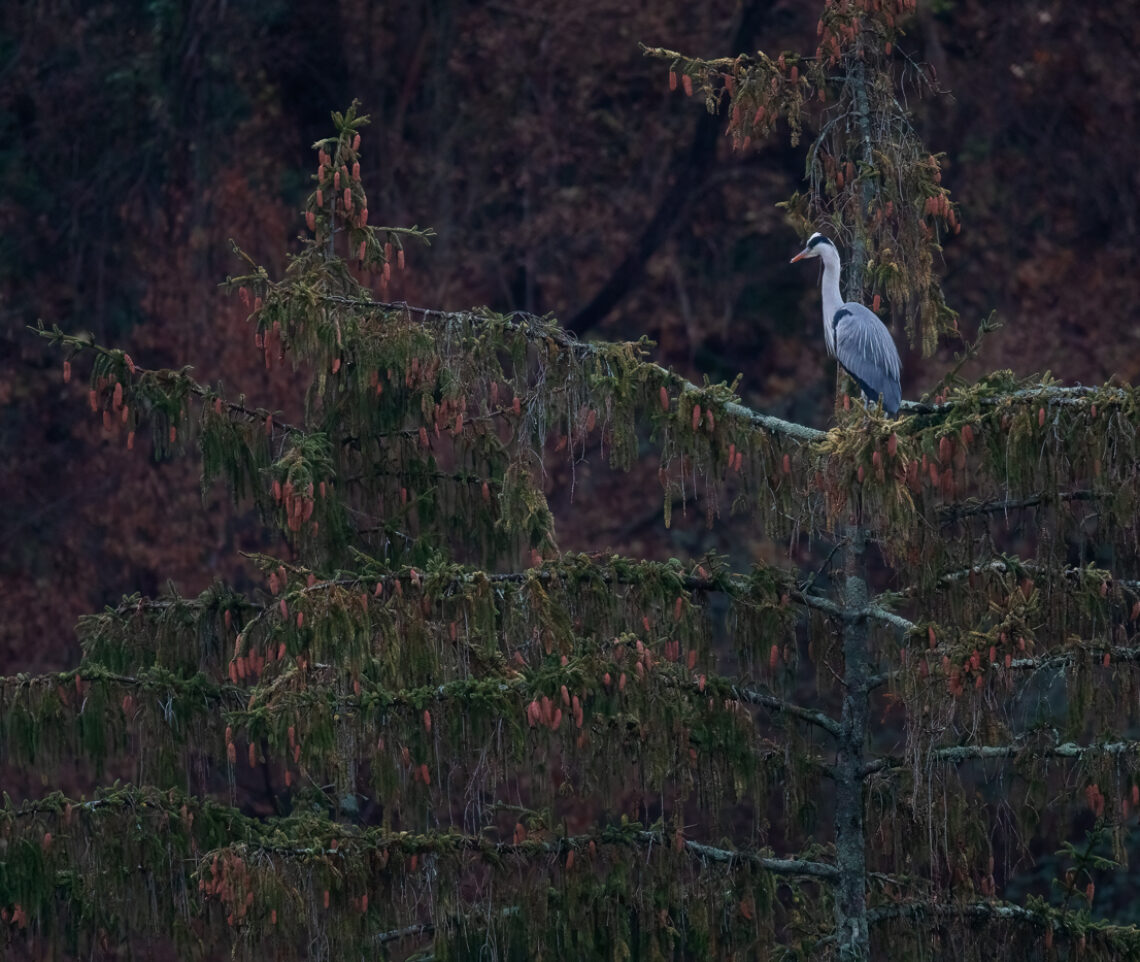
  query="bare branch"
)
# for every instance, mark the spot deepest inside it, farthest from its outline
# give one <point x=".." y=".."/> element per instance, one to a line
<point x="950" y="513"/>
<point x="957" y="754"/>
<point x="872" y="612"/>
<point x="992" y="910"/>
<point x="773" y="703"/>
<point x="409" y="931"/>
<point x="1015" y="566"/>
<point x="777" y="866"/>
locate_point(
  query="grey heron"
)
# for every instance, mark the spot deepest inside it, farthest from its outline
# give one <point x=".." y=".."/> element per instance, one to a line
<point x="854" y="334"/>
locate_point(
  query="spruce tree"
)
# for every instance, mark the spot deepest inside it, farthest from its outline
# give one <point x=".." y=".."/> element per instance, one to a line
<point x="478" y="746"/>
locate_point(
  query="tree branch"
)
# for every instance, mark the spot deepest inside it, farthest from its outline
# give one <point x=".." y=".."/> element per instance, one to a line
<point x="1124" y="938"/>
<point x="1053" y="395"/>
<point x="812" y="717"/>
<point x="350" y="840"/>
<point x="736" y="585"/>
<point x="541" y="329"/>
<point x="777" y="866"/>
<point x="1016" y="566"/>
<point x="949" y="513"/>
<point x="971" y="910"/>
<point x="872" y="612"/>
<point x="957" y="754"/>
<point x="82" y="343"/>
<point x="419" y="928"/>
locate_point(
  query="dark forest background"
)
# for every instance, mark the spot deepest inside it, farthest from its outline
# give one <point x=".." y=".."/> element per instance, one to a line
<point x="561" y="176"/>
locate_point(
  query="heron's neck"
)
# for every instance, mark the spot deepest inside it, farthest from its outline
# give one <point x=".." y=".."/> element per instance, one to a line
<point x="829" y="289"/>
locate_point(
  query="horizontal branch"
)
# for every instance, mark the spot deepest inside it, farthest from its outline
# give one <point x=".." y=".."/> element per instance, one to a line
<point x="85" y="343"/>
<point x="407" y="932"/>
<point x="540" y="329"/>
<point x="1065" y="659"/>
<point x="949" y="513"/>
<point x="410" y="576"/>
<point x="889" y="618"/>
<point x="957" y="754"/>
<point x="238" y="703"/>
<point x="1050" y="396"/>
<point x="777" y="866"/>
<point x="737" y="587"/>
<point x="625" y="834"/>
<point x="1047" y="662"/>
<point x="271" y="835"/>
<point x="1123" y="939"/>
<point x="771" y="702"/>
<point x="872" y="612"/>
<point x="1017" y="566"/>
<point x="992" y="910"/>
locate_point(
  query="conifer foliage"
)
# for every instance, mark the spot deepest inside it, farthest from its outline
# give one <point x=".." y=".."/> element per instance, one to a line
<point x="476" y="746"/>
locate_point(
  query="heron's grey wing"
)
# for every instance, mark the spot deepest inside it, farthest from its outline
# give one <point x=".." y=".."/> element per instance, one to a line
<point x="865" y="348"/>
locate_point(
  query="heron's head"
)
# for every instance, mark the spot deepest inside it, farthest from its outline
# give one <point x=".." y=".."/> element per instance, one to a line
<point x="813" y="248"/>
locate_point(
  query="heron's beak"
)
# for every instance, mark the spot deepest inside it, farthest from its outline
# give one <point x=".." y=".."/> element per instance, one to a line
<point x="800" y="256"/>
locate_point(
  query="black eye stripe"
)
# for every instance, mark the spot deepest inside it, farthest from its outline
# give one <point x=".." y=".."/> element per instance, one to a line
<point x="817" y="240"/>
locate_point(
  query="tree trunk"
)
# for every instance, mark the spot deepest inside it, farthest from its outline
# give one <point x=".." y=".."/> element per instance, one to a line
<point x="850" y="894"/>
